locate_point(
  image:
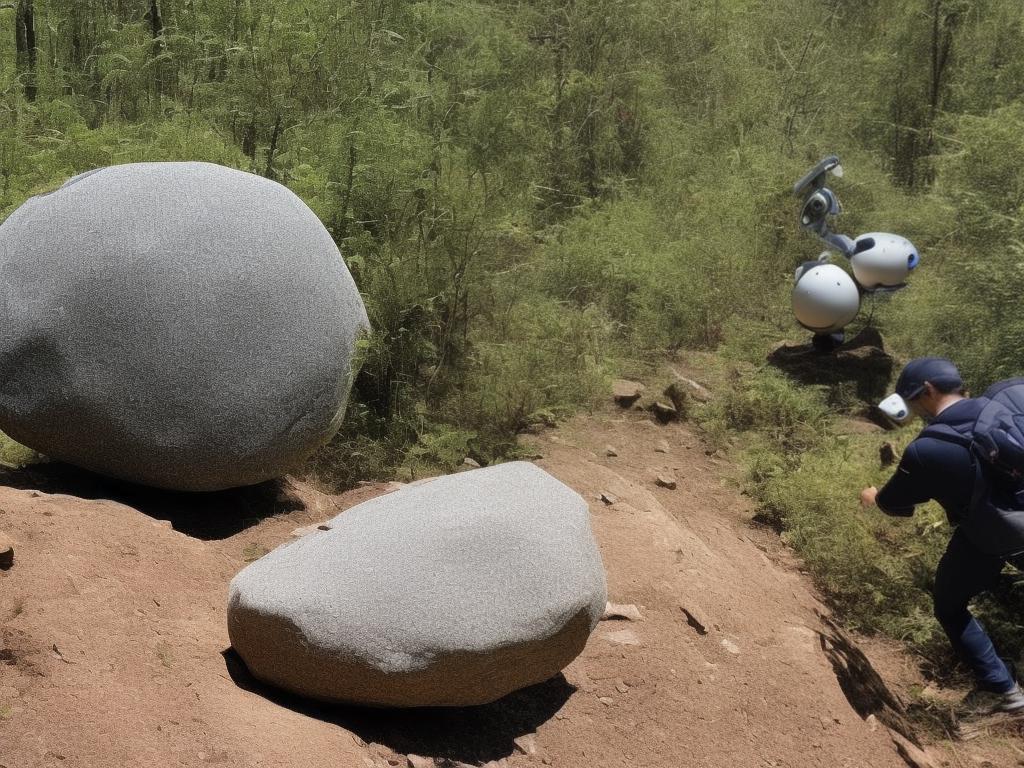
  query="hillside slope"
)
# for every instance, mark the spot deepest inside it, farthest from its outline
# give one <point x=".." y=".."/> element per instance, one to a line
<point x="114" y="638"/>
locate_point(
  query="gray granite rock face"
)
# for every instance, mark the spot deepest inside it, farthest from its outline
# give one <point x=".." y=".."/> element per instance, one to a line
<point x="452" y="593"/>
<point x="181" y="325"/>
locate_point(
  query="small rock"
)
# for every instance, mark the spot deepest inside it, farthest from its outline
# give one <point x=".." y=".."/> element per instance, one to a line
<point x="607" y="498"/>
<point x="546" y="760"/>
<point x="526" y="744"/>
<point x="628" y="612"/>
<point x="626" y="392"/>
<point x="661" y="447"/>
<point x="606" y="700"/>
<point x="415" y="761"/>
<point x="695" y="618"/>
<point x="163" y="523"/>
<point x="621" y="687"/>
<point x="6" y="552"/>
<point x="358" y="741"/>
<point x="872" y="722"/>
<point x="468" y="462"/>
<point x="680" y="399"/>
<point x="664" y="412"/>
<point x="305" y="530"/>
<point x="887" y="454"/>
<point x="694" y="389"/>
<point x="730" y="646"/>
<point x="913" y="755"/>
<point x="623" y="637"/>
<point x="609" y="450"/>
<point x="666" y="482"/>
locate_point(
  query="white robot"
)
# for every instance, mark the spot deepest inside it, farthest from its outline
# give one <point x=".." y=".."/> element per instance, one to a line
<point x="825" y="298"/>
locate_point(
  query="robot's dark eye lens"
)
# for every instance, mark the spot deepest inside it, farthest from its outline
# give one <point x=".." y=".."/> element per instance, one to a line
<point x="815" y="209"/>
<point x="864" y="244"/>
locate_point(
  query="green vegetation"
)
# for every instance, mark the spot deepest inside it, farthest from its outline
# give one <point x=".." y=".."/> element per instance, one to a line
<point x="805" y="466"/>
<point x="534" y="195"/>
<point x="13" y="455"/>
<point x="253" y="552"/>
<point x="806" y="475"/>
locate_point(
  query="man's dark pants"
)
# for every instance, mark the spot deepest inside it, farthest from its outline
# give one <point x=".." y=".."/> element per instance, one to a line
<point x="965" y="571"/>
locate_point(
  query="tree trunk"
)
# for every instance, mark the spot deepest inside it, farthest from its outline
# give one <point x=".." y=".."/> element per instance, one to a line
<point x="557" y="196"/>
<point x="341" y="225"/>
<point x="942" y="42"/>
<point x="249" y="141"/>
<point x="156" y="27"/>
<point x="270" y="173"/>
<point x="76" y="56"/>
<point x="25" y="45"/>
<point x="588" y="134"/>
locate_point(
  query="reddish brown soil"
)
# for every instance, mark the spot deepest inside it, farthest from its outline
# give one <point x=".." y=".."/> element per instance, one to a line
<point x="114" y="649"/>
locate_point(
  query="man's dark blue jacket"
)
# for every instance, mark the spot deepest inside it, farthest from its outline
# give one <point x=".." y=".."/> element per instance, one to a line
<point x="935" y="469"/>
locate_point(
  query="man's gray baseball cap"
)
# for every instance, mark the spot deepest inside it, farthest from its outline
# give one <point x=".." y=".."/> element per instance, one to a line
<point x="938" y="370"/>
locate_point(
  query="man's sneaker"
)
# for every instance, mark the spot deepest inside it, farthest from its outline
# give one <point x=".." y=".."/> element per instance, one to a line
<point x="979" y="703"/>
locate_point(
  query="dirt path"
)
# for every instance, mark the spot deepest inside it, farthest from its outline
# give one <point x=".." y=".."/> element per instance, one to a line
<point x="113" y="637"/>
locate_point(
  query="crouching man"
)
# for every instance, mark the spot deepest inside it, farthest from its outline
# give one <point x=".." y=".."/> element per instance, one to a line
<point x="941" y="465"/>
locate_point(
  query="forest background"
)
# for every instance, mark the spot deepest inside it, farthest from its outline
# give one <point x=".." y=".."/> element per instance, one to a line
<point x="535" y="196"/>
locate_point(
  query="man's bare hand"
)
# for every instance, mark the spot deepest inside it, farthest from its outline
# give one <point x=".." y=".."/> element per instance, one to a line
<point x="867" y="496"/>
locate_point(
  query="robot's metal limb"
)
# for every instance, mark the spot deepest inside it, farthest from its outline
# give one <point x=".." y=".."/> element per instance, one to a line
<point x="814" y="179"/>
<point x="820" y="203"/>
<point x="842" y="243"/>
<point x="828" y="342"/>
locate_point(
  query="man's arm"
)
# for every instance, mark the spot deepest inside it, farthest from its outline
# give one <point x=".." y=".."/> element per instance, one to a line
<point x="907" y="487"/>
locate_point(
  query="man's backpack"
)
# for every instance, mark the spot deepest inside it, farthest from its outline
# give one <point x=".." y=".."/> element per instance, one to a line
<point x="995" y="517"/>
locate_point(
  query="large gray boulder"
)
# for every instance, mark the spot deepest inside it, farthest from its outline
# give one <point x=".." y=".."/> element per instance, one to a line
<point x="181" y="325"/>
<point x="451" y="593"/>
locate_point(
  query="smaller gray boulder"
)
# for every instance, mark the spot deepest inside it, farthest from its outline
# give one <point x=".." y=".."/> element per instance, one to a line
<point x="452" y="593"/>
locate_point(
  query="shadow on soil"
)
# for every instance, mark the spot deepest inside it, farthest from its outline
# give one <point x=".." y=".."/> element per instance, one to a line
<point x="213" y="515"/>
<point x="472" y="735"/>
<point x="861" y="367"/>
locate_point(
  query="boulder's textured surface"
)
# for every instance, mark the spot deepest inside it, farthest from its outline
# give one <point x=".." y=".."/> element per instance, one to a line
<point x="452" y="593"/>
<point x="181" y="325"/>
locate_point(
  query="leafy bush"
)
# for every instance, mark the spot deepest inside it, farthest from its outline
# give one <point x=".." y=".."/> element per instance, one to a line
<point x="765" y="402"/>
<point x="805" y="477"/>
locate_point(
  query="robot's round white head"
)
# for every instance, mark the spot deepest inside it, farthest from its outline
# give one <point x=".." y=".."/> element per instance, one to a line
<point x="881" y="259"/>
<point x="896" y="408"/>
<point x="825" y="298"/>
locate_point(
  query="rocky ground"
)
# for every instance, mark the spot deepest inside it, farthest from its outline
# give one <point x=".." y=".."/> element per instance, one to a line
<point x="114" y="649"/>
